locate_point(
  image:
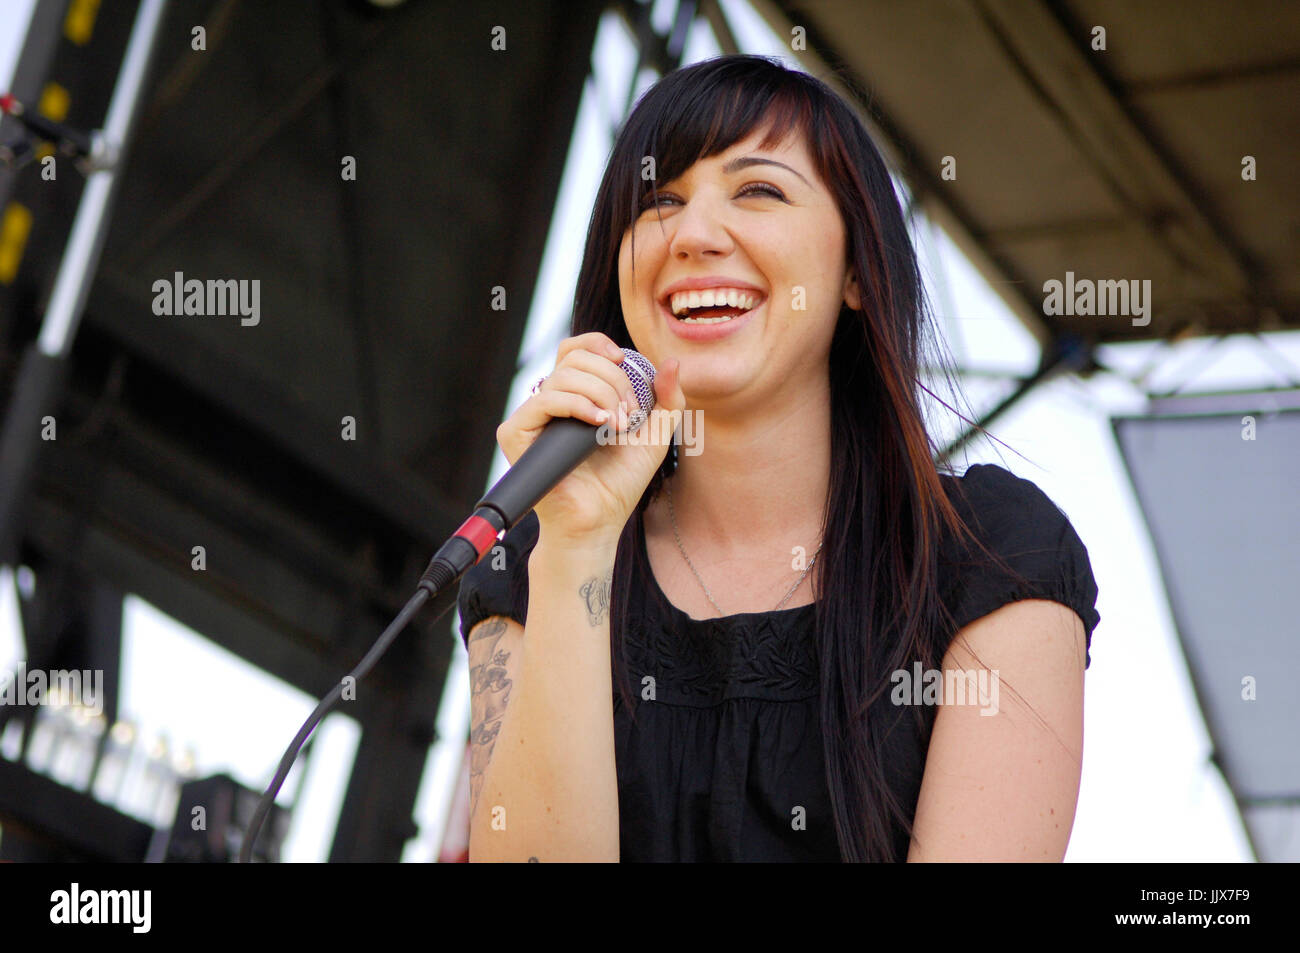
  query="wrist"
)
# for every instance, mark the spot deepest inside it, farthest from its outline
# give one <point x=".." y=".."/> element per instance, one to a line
<point x="584" y="551"/>
<point x="568" y="569"/>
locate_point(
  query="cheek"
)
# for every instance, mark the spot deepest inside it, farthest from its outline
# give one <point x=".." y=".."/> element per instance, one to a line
<point x="644" y="251"/>
<point x="626" y="261"/>
<point x="807" y="259"/>
<point x="626" y="278"/>
<point x="629" y="294"/>
<point x="634" y="284"/>
<point x="824" y="259"/>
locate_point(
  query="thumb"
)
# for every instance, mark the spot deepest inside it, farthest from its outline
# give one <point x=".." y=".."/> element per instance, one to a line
<point x="670" y="404"/>
<point x="668" y="386"/>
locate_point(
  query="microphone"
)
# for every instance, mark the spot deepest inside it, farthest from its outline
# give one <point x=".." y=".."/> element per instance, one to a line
<point x="562" y="445"/>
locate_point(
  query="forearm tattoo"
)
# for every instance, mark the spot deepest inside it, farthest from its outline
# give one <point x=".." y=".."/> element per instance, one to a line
<point x="595" y="593"/>
<point x="490" y="693"/>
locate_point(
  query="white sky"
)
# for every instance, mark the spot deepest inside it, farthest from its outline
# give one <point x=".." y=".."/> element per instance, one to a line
<point x="1148" y="790"/>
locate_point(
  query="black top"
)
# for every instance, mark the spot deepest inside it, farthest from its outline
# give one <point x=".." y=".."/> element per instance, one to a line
<point x="716" y="766"/>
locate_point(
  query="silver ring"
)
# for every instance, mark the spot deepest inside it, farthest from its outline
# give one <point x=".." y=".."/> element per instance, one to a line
<point x="538" y="385"/>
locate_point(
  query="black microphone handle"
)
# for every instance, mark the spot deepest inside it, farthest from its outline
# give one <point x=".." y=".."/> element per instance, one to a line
<point x="561" y="446"/>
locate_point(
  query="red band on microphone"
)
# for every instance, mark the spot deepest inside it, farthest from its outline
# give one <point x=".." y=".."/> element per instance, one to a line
<point x="479" y="533"/>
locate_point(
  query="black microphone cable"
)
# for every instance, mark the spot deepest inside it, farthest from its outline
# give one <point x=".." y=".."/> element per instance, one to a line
<point x="448" y="565"/>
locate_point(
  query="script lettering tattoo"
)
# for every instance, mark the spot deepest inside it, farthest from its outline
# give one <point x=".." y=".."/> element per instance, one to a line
<point x="595" y="593"/>
<point x="490" y="693"/>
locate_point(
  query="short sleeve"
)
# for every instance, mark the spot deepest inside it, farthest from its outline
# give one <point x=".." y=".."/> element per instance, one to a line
<point x="498" y="583"/>
<point x="1020" y="523"/>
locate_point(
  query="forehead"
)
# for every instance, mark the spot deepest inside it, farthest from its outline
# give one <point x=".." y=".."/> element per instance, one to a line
<point x="792" y="149"/>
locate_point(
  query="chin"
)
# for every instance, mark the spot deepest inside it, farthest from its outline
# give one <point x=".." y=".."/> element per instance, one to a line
<point x="704" y="380"/>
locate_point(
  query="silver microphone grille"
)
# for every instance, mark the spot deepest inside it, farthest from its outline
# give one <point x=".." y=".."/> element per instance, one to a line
<point x="642" y="375"/>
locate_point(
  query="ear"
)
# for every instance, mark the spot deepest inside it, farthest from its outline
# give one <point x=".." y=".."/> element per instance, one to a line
<point x="852" y="293"/>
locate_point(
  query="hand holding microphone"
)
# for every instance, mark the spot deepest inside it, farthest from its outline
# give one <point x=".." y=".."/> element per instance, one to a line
<point x="593" y="500"/>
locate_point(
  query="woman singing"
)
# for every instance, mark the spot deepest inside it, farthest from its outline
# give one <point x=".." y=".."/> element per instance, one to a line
<point x="728" y="652"/>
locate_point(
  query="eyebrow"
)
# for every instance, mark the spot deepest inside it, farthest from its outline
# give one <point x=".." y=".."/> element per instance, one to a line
<point x="744" y="162"/>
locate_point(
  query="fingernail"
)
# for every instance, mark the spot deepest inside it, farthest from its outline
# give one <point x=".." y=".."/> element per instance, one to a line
<point x="602" y="416"/>
<point x="615" y="352"/>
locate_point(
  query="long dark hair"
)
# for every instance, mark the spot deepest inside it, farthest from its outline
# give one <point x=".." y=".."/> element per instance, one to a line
<point x="878" y="608"/>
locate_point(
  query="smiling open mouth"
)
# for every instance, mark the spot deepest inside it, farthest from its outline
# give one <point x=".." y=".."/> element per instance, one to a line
<point x="713" y="306"/>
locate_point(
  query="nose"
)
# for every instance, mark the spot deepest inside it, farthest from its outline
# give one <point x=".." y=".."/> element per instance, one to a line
<point x="699" y="232"/>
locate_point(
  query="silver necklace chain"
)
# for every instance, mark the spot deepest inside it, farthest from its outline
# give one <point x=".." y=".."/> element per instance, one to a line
<point x="672" y="516"/>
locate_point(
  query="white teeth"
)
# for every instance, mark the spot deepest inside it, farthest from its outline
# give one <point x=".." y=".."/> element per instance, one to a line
<point x="705" y="320"/>
<point x="683" y="301"/>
